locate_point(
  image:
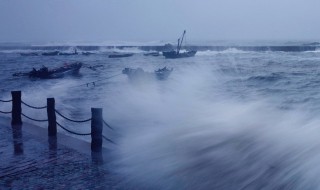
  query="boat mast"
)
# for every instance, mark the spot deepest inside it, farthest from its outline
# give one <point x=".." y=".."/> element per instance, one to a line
<point x="179" y="44"/>
<point x="178" y="48"/>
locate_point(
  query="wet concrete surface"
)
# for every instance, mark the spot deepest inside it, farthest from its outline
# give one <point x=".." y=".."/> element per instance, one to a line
<point x="31" y="160"/>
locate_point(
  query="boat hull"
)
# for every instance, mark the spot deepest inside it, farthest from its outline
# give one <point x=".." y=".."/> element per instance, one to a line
<point x="29" y="54"/>
<point x="68" y="54"/>
<point x="155" y="54"/>
<point x="60" y="72"/>
<point x="120" y="55"/>
<point x="175" y="55"/>
<point x="141" y="75"/>
<point x="50" y="53"/>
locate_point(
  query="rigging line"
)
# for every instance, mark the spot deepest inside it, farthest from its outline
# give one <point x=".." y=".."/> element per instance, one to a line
<point x="93" y="82"/>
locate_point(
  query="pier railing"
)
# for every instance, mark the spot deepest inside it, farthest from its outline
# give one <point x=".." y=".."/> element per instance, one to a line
<point x="97" y="121"/>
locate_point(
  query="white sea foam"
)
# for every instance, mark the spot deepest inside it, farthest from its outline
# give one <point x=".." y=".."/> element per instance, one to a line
<point x="122" y="50"/>
<point x="227" y="51"/>
<point x="185" y="134"/>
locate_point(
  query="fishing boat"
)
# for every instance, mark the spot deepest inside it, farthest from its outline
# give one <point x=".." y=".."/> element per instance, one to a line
<point x="45" y="73"/>
<point x="177" y="53"/>
<point x="74" y="53"/>
<point x="53" y="53"/>
<point x="163" y="73"/>
<point x="87" y="53"/>
<point x="155" y="54"/>
<point x="140" y="74"/>
<point x="120" y="55"/>
<point x="29" y="54"/>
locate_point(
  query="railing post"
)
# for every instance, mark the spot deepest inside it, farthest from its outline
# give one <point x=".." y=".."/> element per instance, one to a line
<point x="52" y="124"/>
<point x="16" y="108"/>
<point x="96" y="129"/>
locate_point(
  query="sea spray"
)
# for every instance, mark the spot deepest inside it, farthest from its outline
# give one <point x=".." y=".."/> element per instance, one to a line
<point x="175" y="137"/>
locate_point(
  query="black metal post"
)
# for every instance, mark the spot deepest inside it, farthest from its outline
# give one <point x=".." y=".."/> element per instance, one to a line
<point x="16" y="108"/>
<point x="96" y="129"/>
<point x="52" y="124"/>
<point x="17" y="139"/>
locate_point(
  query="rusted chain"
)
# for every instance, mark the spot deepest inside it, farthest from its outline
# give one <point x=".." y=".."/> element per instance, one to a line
<point x="39" y="120"/>
<point x="107" y="124"/>
<point x="107" y="139"/>
<point x="5" y="112"/>
<point x="34" y="107"/>
<point x="72" y="132"/>
<point x="5" y="100"/>
<point x="79" y="121"/>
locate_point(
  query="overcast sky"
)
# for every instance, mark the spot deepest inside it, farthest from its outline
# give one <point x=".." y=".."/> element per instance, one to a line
<point x="155" y="20"/>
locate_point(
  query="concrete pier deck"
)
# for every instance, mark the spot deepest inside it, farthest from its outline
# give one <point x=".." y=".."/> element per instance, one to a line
<point x="29" y="159"/>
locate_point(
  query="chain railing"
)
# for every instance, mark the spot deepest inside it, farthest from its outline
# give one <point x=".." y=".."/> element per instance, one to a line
<point x="6" y="112"/>
<point x="38" y="120"/>
<point x="6" y="101"/>
<point x="72" y="132"/>
<point x="34" y="107"/>
<point x="107" y="139"/>
<point x="76" y="121"/>
<point x="107" y="124"/>
<point x="96" y="119"/>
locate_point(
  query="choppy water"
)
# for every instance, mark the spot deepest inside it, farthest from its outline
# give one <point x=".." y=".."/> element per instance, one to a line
<point x="225" y="119"/>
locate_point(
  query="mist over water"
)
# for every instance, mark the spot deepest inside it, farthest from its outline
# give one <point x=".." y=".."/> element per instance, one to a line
<point x="222" y="120"/>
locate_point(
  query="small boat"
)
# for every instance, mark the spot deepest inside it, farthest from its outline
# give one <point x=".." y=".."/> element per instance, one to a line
<point x="176" y="53"/>
<point x="74" y="53"/>
<point x="152" y="54"/>
<point x="140" y="74"/>
<point x="50" y="53"/>
<point x="120" y="55"/>
<point x="29" y="54"/>
<point x="87" y="53"/>
<point x="45" y="73"/>
<point x="163" y="73"/>
<point x="68" y="53"/>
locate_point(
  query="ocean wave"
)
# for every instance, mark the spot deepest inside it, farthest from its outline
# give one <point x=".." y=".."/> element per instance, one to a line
<point x="267" y="78"/>
<point x="210" y="126"/>
<point x="214" y="52"/>
<point x="120" y="50"/>
<point x="202" y="50"/>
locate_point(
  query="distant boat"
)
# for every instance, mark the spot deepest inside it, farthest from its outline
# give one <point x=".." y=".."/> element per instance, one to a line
<point x="152" y="54"/>
<point x="29" y="54"/>
<point x="140" y="74"/>
<point x="176" y="53"/>
<point x="45" y="73"/>
<point x="120" y="55"/>
<point x="163" y="73"/>
<point x="74" y="53"/>
<point x="87" y="53"/>
<point x="50" y="53"/>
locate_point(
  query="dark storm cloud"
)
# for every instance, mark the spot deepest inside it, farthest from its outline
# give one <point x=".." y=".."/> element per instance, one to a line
<point x="152" y="20"/>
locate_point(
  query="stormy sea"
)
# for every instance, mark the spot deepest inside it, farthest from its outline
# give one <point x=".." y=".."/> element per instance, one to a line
<point x="231" y="117"/>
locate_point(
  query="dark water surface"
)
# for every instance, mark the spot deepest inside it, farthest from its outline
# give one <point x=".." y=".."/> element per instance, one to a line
<point x="231" y="118"/>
